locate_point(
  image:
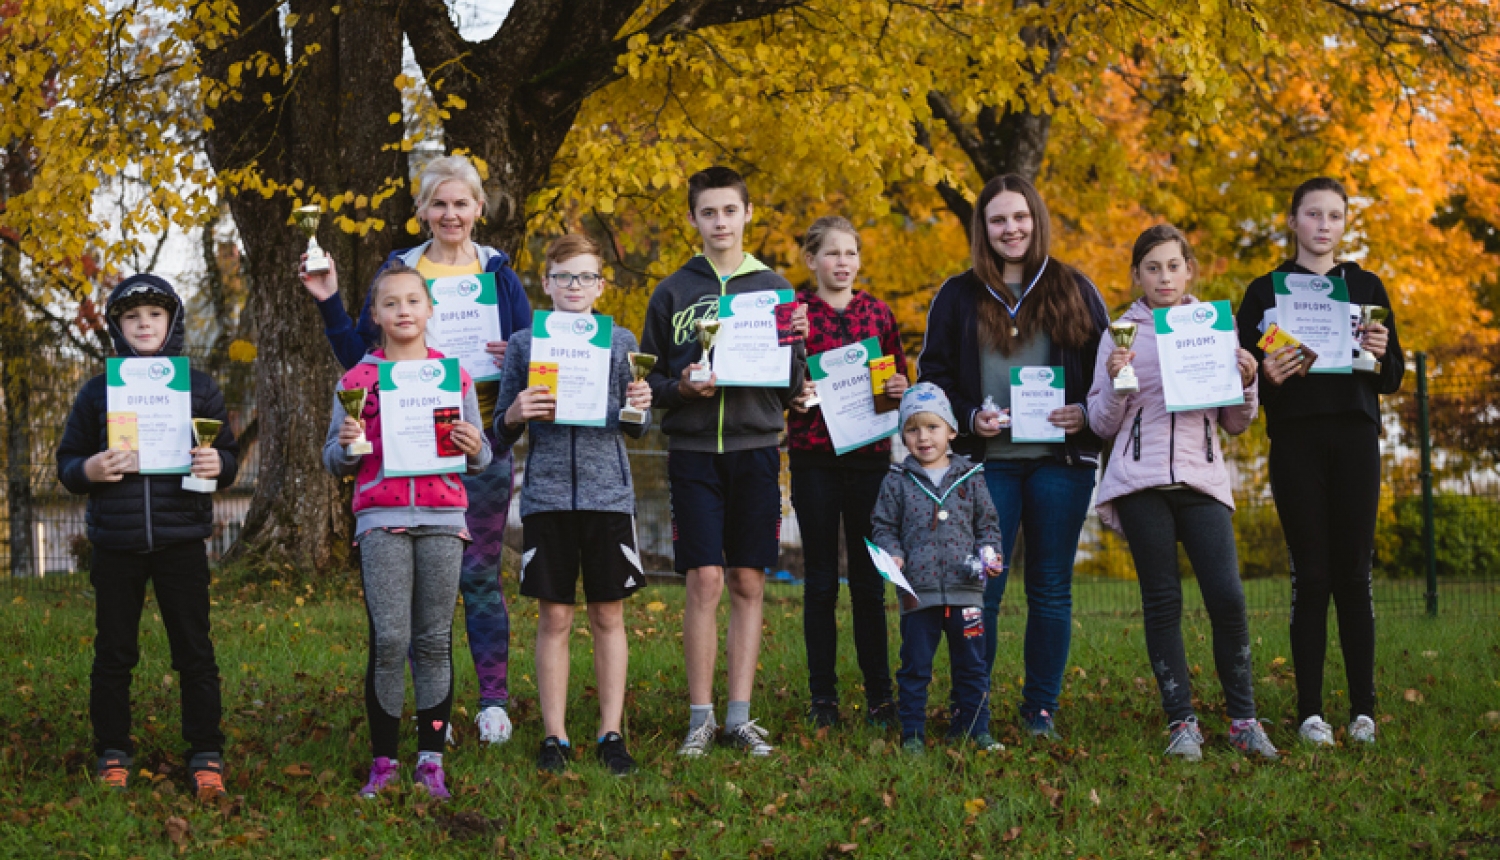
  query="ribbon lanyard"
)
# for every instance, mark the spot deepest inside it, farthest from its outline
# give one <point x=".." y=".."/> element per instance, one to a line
<point x="1014" y="311"/>
<point x="939" y="500"/>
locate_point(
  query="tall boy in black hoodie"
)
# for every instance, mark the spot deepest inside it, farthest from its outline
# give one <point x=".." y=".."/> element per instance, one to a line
<point x="724" y="465"/>
<point x="147" y="527"/>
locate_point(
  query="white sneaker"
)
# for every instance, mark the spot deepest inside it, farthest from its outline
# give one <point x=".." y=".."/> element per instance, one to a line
<point x="700" y="740"/>
<point x="1317" y="732"/>
<point x="749" y="737"/>
<point x="494" y="725"/>
<point x="1362" y="730"/>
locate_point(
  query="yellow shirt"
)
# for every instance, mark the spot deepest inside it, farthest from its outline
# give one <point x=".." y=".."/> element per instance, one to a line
<point x="487" y="392"/>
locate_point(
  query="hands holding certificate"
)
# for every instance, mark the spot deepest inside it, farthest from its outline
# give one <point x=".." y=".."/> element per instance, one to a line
<point x="1069" y="419"/>
<point x="107" y="467"/>
<point x="1285" y="363"/>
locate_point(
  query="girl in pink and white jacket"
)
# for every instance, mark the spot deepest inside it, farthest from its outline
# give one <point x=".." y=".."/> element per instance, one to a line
<point x="411" y="535"/>
<point x="1165" y="482"/>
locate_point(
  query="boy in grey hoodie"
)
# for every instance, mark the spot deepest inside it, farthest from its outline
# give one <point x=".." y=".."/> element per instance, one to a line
<point x="936" y="519"/>
<point x="577" y="509"/>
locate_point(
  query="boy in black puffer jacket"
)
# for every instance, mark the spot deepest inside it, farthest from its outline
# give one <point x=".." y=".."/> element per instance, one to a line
<point x="147" y="527"/>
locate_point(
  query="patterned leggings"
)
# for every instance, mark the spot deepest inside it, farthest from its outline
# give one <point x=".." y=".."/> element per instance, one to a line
<point x="485" y="615"/>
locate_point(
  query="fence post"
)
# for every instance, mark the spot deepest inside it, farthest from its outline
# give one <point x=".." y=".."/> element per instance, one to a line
<point x="1429" y="537"/>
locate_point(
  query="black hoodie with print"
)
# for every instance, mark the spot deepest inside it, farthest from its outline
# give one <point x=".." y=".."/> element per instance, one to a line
<point x="142" y="513"/>
<point x="1322" y="393"/>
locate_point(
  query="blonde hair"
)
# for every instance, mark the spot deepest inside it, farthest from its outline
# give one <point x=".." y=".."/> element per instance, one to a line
<point x="448" y="168"/>
<point x="817" y="234"/>
<point x="571" y="245"/>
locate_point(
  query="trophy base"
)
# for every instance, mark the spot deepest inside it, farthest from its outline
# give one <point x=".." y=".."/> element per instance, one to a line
<point x="632" y="415"/>
<point x="1366" y="363"/>
<point x="359" y="449"/>
<point x="702" y="374"/>
<point x="314" y="265"/>
<point x="1127" y="384"/>
<point x="195" y="484"/>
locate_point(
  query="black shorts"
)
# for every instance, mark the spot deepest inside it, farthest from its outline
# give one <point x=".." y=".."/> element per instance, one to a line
<point x="726" y="508"/>
<point x="559" y="543"/>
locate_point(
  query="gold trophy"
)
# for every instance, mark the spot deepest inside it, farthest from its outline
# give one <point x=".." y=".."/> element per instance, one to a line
<point x="1366" y="362"/>
<point x="708" y="330"/>
<point x="307" y="221"/>
<point x="353" y="401"/>
<point x="1123" y="334"/>
<point x="641" y="365"/>
<point x="205" y="431"/>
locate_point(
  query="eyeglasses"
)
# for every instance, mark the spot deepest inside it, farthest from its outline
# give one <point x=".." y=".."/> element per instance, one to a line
<point x="583" y="279"/>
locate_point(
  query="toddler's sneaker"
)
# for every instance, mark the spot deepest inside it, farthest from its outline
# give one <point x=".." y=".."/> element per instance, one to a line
<point x="914" y="747"/>
<point x="1187" y="740"/>
<point x="494" y="725"/>
<point x="1249" y="737"/>
<point x="883" y="716"/>
<point x="383" y="772"/>
<point x="823" y="714"/>
<point x="700" y="739"/>
<point x="554" y="755"/>
<point x="1040" y="725"/>
<point x="430" y="776"/>
<point x="1362" y="730"/>
<point x="206" y="770"/>
<point x="614" y="756"/>
<point x="113" y="769"/>
<point x="749" y="737"/>
<point x="986" y="742"/>
<point x="1316" y="732"/>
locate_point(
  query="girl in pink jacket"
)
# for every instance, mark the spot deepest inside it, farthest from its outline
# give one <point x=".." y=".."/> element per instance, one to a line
<point x="1166" y="482"/>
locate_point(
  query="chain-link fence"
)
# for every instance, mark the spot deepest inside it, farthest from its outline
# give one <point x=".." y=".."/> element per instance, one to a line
<point x="1449" y="558"/>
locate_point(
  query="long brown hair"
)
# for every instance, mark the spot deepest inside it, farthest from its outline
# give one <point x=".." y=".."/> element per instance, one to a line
<point x="1054" y="305"/>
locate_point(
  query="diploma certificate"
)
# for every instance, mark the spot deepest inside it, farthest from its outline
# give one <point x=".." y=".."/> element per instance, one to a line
<point x="1198" y="349"/>
<point x="158" y="393"/>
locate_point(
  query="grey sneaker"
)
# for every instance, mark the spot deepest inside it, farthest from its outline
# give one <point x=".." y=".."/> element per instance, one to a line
<point x="1316" y="732"/>
<point x="1362" y="730"/>
<point x="914" y="747"/>
<point x="749" y="737"/>
<point x="699" y="740"/>
<point x="1250" y="738"/>
<point x="1187" y="740"/>
<point x="986" y="741"/>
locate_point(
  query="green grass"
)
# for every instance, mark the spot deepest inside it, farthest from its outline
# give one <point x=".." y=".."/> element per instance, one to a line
<point x="293" y="662"/>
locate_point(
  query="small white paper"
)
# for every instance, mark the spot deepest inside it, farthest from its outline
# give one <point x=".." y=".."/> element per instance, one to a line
<point x="888" y="569"/>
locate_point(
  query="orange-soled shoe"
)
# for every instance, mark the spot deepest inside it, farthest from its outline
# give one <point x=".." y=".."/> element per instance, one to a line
<point x="113" y="769"/>
<point x="206" y="770"/>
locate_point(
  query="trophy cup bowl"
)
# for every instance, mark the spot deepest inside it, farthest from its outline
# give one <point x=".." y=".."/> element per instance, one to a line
<point x="1366" y="362"/>
<point x="307" y="218"/>
<point x="353" y="401"/>
<point x="641" y="365"/>
<point x="205" y="431"/>
<point x="708" y="331"/>
<point x="1123" y="334"/>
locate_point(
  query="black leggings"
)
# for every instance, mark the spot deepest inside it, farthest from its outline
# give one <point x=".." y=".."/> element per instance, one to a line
<point x="1325" y="474"/>
<point x="1154" y="521"/>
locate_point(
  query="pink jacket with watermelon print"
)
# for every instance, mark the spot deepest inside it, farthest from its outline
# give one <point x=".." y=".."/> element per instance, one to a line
<point x="1151" y="446"/>
<point x="381" y="501"/>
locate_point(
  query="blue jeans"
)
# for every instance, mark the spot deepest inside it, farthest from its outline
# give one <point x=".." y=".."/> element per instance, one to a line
<point x="1048" y="502"/>
<point x="921" y="633"/>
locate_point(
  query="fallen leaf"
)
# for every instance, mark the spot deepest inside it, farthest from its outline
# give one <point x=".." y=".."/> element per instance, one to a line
<point x="1431" y="655"/>
<point x="1493" y="716"/>
<point x="655" y="606"/>
<point x="1094" y="797"/>
<point x="768" y="809"/>
<point x="975" y="806"/>
<point x="177" y="831"/>
<point x="300" y="769"/>
<point x="1054" y="796"/>
<point x="1412" y="696"/>
<point x="1010" y="835"/>
<point x="877" y="746"/>
<point x="848" y="847"/>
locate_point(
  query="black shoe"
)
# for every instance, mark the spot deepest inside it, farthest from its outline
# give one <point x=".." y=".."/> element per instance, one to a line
<point x="613" y="755"/>
<point x="883" y="716"/>
<point x="823" y="714"/>
<point x="554" y="755"/>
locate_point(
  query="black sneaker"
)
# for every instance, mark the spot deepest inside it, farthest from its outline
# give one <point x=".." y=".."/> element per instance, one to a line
<point x="823" y="714"/>
<point x="883" y="716"/>
<point x="554" y="755"/>
<point x="613" y="755"/>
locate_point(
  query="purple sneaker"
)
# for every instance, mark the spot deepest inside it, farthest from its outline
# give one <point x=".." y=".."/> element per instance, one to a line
<point x="430" y="777"/>
<point x="382" y="774"/>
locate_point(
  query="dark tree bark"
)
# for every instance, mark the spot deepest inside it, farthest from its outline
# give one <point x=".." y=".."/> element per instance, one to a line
<point x="15" y="357"/>
<point x="329" y="129"/>
<point x="523" y="88"/>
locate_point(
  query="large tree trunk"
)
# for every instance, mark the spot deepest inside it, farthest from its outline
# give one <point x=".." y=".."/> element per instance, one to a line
<point x="328" y="129"/>
<point x="15" y="353"/>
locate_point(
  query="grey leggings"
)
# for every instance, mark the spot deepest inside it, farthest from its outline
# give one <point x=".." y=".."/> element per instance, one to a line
<point x="1154" y="521"/>
<point x="411" y="587"/>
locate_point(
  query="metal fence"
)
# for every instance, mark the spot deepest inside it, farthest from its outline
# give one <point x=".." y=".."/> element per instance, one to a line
<point x="1435" y="549"/>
